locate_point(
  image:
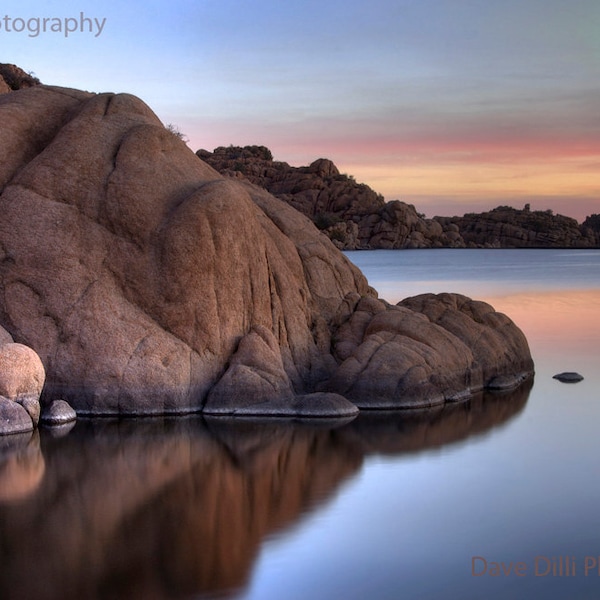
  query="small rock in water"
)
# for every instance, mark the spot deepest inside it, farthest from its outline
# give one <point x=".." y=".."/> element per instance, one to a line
<point x="568" y="377"/>
<point x="58" y="412"/>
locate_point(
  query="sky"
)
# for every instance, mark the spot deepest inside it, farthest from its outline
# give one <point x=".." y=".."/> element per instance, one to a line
<point x="451" y="105"/>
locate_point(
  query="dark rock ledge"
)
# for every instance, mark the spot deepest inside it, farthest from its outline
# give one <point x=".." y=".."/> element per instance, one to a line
<point x="147" y="283"/>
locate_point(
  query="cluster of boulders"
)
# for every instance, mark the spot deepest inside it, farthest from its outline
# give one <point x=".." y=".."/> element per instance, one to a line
<point x="356" y="217"/>
<point x="22" y="377"/>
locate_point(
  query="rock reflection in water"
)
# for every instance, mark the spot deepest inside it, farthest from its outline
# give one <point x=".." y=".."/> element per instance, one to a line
<point x="175" y="508"/>
<point x="22" y="465"/>
<point x="393" y="433"/>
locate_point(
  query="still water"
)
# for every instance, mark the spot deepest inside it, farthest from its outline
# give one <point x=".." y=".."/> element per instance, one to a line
<point x="420" y="505"/>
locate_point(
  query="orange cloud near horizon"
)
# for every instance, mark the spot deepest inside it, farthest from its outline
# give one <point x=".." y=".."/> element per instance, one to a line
<point x="564" y="187"/>
<point x="454" y="169"/>
<point x="561" y="177"/>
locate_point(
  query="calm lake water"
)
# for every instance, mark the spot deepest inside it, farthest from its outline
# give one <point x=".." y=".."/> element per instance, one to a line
<point x="420" y="505"/>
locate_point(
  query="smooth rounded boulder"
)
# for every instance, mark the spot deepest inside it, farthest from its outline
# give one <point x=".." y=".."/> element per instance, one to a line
<point x="22" y="373"/>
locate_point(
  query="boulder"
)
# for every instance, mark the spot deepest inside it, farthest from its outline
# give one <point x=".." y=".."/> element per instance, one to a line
<point x="425" y="351"/>
<point x="58" y="412"/>
<point x="148" y="283"/>
<point x="33" y="408"/>
<point x="22" y="378"/>
<point x="22" y="373"/>
<point x="13" y="418"/>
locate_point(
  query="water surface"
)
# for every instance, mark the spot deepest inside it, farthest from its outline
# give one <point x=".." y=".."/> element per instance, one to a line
<point x="385" y="506"/>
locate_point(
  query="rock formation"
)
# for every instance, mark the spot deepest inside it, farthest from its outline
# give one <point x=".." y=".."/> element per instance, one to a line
<point x="356" y="217"/>
<point x="22" y="378"/>
<point x="148" y="283"/>
<point x="389" y="356"/>
<point x="350" y="213"/>
<point x="14" y="78"/>
<point x="507" y="227"/>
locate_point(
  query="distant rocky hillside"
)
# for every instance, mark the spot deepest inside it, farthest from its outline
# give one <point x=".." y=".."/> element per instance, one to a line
<point x="13" y="78"/>
<point x="351" y="213"/>
<point x="356" y="217"/>
<point x="506" y="227"/>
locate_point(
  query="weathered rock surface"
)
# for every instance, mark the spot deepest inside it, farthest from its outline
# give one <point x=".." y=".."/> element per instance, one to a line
<point x="5" y="337"/>
<point x="426" y="350"/>
<point x="135" y="270"/>
<point x="257" y="365"/>
<point x="32" y="407"/>
<point x="150" y="284"/>
<point x="22" y="378"/>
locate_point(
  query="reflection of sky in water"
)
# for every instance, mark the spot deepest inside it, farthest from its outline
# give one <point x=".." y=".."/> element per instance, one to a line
<point x="383" y="507"/>
<point x="407" y="527"/>
<point x="398" y="274"/>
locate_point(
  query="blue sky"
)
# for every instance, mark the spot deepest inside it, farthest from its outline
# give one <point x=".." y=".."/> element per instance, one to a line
<point x="452" y="105"/>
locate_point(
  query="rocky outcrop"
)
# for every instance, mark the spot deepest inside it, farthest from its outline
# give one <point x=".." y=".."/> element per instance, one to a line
<point x="355" y="217"/>
<point x="390" y="356"/>
<point x="147" y="283"/>
<point x="507" y="227"/>
<point x="14" y="78"/>
<point x="591" y="228"/>
<point x="350" y="213"/>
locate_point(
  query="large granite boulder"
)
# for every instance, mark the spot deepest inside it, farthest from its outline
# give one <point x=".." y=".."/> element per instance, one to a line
<point x="149" y="284"/>
<point x="22" y="373"/>
<point x="425" y="351"/>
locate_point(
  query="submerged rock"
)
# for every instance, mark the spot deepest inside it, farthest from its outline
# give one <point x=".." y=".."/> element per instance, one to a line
<point x="568" y="377"/>
<point x="149" y="284"/>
